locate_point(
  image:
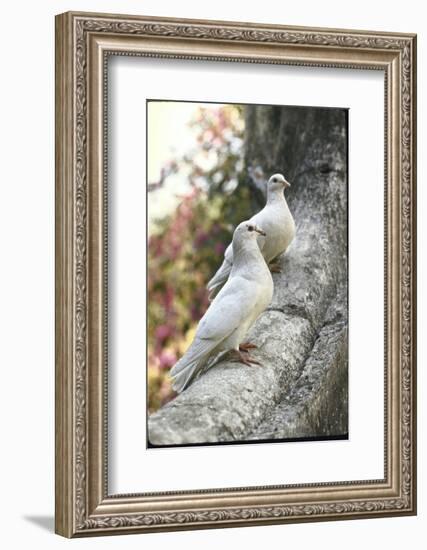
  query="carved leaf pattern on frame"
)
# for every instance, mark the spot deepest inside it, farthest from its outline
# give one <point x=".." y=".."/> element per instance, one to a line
<point x="230" y="33"/>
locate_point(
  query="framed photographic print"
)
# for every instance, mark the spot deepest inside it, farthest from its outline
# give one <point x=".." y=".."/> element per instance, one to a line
<point x="235" y="274"/>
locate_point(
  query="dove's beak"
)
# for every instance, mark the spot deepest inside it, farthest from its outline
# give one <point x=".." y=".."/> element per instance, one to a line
<point x="287" y="184"/>
<point x="260" y="231"/>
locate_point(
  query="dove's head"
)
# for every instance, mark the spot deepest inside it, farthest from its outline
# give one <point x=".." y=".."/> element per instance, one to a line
<point x="277" y="182"/>
<point x="247" y="230"/>
<point x="245" y="240"/>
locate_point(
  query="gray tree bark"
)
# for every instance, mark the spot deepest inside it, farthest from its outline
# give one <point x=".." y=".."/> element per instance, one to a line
<point x="300" y="389"/>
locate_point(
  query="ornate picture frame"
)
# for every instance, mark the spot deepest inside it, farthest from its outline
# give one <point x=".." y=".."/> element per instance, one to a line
<point x="84" y="506"/>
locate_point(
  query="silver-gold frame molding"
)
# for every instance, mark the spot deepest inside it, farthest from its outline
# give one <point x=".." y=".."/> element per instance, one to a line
<point x="83" y="43"/>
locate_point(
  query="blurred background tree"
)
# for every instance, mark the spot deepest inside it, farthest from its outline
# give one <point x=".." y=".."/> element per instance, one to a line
<point x="186" y="243"/>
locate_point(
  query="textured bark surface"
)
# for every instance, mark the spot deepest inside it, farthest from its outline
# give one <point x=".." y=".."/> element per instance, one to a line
<point x="300" y="389"/>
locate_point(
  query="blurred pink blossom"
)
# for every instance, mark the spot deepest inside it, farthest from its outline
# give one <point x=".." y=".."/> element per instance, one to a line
<point x="167" y="359"/>
<point x="168" y="297"/>
<point x="219" y="248"/>
<point x="200" y="238"/>
<point x="162" y="332"/>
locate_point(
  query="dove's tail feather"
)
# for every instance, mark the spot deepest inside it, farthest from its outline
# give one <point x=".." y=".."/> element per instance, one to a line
<point x="186" y="369"/>
<point x="219" y="279"/>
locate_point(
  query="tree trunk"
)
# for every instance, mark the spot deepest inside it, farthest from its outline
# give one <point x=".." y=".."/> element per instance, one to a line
<point x="301" y="389"/>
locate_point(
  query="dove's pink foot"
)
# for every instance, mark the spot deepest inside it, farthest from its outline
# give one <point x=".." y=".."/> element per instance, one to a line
<point x="246" y="346"/>
<point x="274" y="267"/>
<point x="245" y="358"/>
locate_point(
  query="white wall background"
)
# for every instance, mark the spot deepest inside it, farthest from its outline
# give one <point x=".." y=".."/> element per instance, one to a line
<point x="27" y="273"/>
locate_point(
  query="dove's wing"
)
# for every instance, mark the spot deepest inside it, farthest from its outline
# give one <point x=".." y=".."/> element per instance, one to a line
<point x="220" y="277"/>
<point x="228" y="254"/>
<point x="230" y="308"/>
<point x="194" y="359"/>
<point x="261" y="242"/>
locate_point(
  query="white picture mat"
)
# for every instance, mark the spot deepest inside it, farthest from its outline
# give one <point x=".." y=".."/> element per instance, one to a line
<point x="133" y="467"/>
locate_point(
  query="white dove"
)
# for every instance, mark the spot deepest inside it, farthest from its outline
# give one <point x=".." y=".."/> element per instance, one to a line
<point x="242" y="299"/>
<point x="276" y="220"/>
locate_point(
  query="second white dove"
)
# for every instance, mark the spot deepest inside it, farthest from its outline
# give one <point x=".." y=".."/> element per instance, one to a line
<point x="275" y="219"/>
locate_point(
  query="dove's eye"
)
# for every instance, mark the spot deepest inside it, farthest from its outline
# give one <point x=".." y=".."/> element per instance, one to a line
<point x="274" y="180"/>
<point x="250" y="228"/>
